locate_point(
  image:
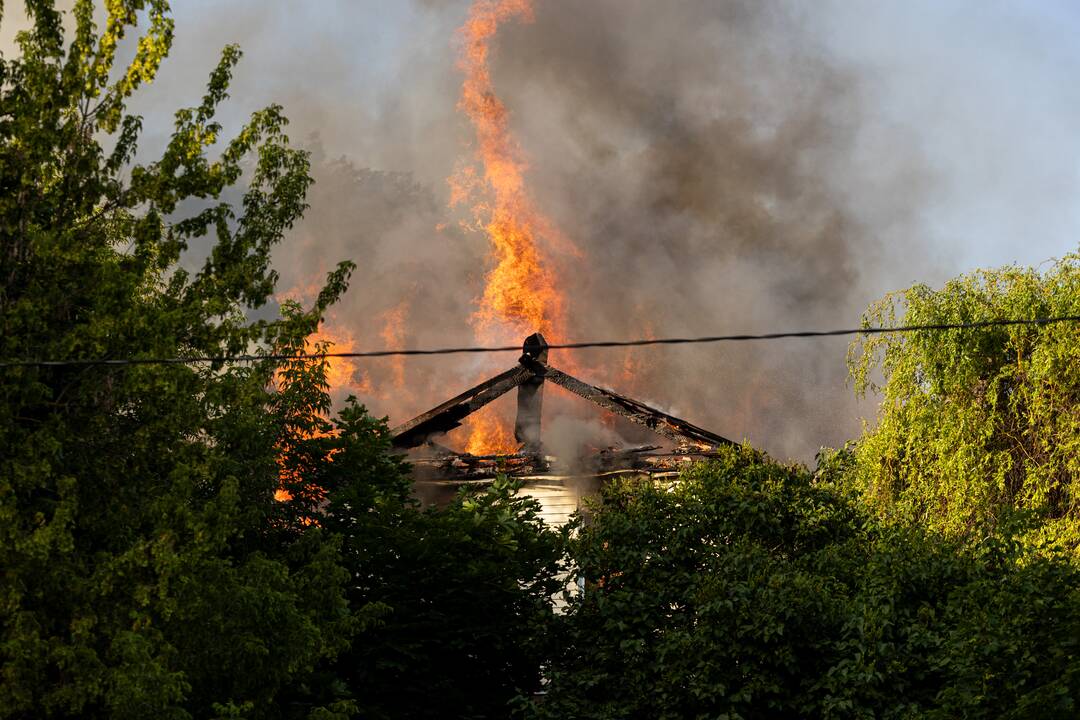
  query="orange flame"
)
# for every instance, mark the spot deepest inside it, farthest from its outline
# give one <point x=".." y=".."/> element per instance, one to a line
<point x="341" y="374"/>
<point x="490" y="434"/>
<point x="393" y="335"/>
<point x="520" y="295"/>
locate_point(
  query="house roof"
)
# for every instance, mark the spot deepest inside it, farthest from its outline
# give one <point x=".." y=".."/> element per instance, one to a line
<point x="528" y="375"/>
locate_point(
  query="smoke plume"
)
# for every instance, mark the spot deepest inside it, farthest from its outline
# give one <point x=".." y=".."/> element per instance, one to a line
<point x="704" y="157"/>
<point x="711" y="160"/>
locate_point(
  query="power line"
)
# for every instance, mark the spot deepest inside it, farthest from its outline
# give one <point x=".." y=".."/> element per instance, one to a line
<point x="552" y="346"/>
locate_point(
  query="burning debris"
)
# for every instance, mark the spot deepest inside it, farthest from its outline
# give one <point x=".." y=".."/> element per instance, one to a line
<point x="435" y="464"/>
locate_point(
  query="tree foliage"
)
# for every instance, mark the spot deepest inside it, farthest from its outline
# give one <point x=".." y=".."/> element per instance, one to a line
<point x="752" y="590"/>
<point x="148" y="570"/>
<point x="976" y="424"/>
<point x="468" y="595"/>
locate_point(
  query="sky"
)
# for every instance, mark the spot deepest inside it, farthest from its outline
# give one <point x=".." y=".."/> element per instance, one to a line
<point x="987" y="92"/>
<point x="732" y="166"/>
<point x="984" y="91"/>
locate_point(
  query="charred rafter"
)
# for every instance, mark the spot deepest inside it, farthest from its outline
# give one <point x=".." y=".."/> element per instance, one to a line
<point x="462" y="467"/>
<point x="529" y="376"/>
<point x="659" y="422"/>
<point x="449" y="415"/>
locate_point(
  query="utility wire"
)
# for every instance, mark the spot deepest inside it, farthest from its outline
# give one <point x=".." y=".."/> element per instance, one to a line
<point x="553" y="346"/>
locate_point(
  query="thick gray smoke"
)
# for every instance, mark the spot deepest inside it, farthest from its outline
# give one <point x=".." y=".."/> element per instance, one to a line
<point x="708" y="160"/>
<point x="711" y="160"/>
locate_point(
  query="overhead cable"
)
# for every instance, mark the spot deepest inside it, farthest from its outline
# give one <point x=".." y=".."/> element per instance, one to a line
<point x="481" y="349"/>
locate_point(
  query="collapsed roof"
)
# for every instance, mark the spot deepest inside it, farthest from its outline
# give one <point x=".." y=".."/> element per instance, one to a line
<point x="528" y="376"/>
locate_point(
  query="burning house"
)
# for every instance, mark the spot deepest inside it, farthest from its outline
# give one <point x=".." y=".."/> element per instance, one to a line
<point x="558" y="484"/>
<point x="530" y="261"/>
<point x="522" y="293"/>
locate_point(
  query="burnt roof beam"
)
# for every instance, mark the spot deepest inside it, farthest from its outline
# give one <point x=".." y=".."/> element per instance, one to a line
<point x="449" y="415"/>
<point x="658" y="421"/>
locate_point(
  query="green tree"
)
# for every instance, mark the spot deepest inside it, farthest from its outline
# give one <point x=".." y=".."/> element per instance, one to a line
<point x="467" y="592"/>
<point x="147" y="570"/>
<point x="753" y="590"/>
<point x="976" y="425"/>
<point x="454" y="603"/>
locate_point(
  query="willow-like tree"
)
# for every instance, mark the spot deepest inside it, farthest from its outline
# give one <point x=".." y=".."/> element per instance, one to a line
<point x="977" y="426"/>
<point x="146" y="569"/>
<point x="753" y="590"/>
